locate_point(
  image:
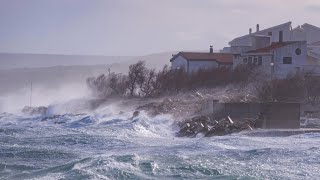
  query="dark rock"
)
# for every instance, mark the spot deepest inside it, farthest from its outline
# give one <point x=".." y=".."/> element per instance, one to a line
<point x="52" y="117"/>
<point x="121" y="112"/>
<point x="59" y="122"/>
<point x="41" y="110"/>
<point x="135" y="114"/>
<point x="157" y="108"/>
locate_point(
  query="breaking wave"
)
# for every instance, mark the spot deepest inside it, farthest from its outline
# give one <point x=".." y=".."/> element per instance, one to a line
<point x="106" y="144"/>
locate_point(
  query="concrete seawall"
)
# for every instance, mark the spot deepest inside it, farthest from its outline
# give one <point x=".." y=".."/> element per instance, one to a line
<point x="273" y="115"/>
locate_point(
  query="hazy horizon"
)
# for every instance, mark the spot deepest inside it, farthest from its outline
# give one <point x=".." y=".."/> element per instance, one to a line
<point x="140" y="27"/>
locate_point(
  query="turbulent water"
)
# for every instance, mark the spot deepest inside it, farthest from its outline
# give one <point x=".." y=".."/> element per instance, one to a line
<point x="102" y="145"/>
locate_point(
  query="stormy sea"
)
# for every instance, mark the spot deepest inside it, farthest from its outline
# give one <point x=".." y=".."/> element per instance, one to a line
<point x="108" y="145"/>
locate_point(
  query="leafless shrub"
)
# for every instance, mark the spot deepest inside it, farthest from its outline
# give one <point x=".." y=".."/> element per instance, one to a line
<point x="179" y="80"/>
<point x="162" y="82"/>
<point x="99" y="86"/>
<point x="210" y="77"/>
<point x="290" y="89"/>
<point x="242" y="73"/>
<point x="147" y="86"/>
<point x="136" y="76"/>
<point x="312" y="85"/>
<point x="118" y="83"/>
<point x="149" y="83"/>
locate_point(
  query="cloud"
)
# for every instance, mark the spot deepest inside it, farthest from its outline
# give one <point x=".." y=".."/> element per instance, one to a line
<point x="313" y="6"/>
<point x="104" y="27"/>
<point x="189" y="36"/>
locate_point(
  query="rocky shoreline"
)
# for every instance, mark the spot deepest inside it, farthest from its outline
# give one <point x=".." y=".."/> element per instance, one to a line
<point x="209" y="127"/>
<point x="185" y="109"/>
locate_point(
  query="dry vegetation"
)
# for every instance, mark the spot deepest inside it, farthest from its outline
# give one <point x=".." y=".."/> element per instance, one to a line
<point x="299" y="87"/>
<point x="143" y="82"/>
<point x="244" y="83"/>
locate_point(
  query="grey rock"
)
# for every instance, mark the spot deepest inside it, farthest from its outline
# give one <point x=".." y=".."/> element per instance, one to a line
<point x="41" y="110"/>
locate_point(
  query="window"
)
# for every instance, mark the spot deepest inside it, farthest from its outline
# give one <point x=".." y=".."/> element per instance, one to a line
<point x="269" y="33"/>
<point x="250" y="60"/>
<point x="287" y="60"/>
<point x="245" y="60"/>
<point x="280" y="36"/>
<point x="255" y="60"/>
<point x="260" y="60"/>
<point x="298" y="51"/>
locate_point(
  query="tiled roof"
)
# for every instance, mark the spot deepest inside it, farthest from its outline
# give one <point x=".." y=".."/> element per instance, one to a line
<point x="199" y="56"/>
<point x="273" y="46"/>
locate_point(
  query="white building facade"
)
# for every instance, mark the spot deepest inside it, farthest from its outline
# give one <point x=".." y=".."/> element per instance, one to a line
<point x="278" y="60"/>
<point x="314" y="53"/>
<point x="285" y="32"/>
<point x="288" y="50"/>
<point x="194" y="61"/>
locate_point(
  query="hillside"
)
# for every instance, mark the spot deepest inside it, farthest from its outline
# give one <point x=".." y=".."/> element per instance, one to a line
<point x="18" y="70"/>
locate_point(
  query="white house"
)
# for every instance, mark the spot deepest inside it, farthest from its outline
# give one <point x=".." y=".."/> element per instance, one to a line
<point x="277" y="60"/>
<point x="287" y="49"/>
<point x="306" y="32"/>
<point x="279" y="51"/>
<point x="193" y="61"/>
<point x="314" y="53"/>
<point x="312" y="33"/>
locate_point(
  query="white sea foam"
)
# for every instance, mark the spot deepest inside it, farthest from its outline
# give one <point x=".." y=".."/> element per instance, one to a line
<point x="104" y="144"/>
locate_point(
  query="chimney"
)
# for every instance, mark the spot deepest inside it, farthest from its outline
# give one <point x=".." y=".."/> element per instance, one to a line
<point x="250" y="31"/>
<point x="280" y="36"/>
<point x="211" y="49"/>
<point x="258" y="28"/>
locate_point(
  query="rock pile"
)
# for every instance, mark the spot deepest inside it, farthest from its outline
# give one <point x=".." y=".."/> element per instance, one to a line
<point x="209" y="127"/>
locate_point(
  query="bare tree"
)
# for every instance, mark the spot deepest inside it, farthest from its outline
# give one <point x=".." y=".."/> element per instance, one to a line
<point x="147" y="87"/>
<point x="136" y="76"/>
<point x="118" y="83"/>
<point x="99" y="86"/>
<point x="161" y="82"/>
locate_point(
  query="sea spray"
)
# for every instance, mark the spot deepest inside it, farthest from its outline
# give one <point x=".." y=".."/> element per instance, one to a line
<point x="106" y="144"/>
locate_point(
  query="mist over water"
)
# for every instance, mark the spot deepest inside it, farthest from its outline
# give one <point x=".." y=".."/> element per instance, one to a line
<point x="44" y="96"/>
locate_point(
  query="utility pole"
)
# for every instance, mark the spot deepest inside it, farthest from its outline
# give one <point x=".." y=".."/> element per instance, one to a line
<point x="272" y="74"/>
<point x="31" y="94"/>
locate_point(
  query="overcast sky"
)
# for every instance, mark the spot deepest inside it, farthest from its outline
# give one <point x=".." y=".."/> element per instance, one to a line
<point x="139" y="27"/>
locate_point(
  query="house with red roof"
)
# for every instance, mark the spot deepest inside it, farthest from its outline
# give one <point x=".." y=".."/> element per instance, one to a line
<point x="194" y="61"/>
<point x="279" y="50"/>
<point x="277" y="60"/>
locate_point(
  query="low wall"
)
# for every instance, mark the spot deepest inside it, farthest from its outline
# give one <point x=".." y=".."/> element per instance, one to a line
<point x="273" y="115"/>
